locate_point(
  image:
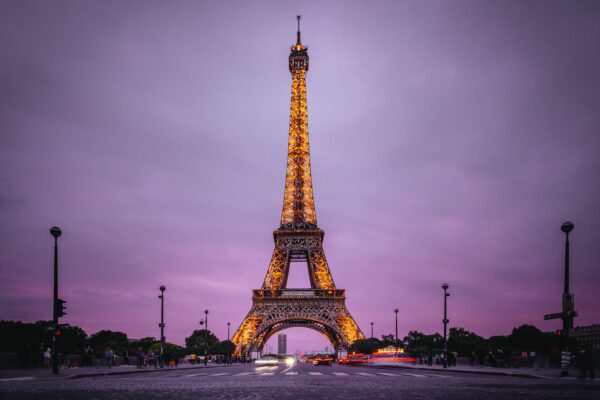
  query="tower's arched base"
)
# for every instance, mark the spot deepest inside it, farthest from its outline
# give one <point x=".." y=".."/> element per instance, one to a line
<point x="275" y="310"/>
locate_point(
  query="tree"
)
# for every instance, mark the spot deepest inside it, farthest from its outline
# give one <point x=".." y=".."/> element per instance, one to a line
<point x="527" y="338"/>
<point x="29" y="340"/>
<point x="388" y="340"/>
<point x="196" y="343"/>
<point x="464" y="342"/>
<point x="224" y="348"/>
<point x="168" y="349"/>
<point x="418" y="343"/>
<point x="497" y="342"/>
<point x="365" y="346"/>
<point x="72" y="340"/>
<point x="101" y="340"/>
<point x="145" y="343"/>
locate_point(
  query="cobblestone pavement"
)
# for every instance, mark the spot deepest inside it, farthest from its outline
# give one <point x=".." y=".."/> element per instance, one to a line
<point x="302" y="381"/>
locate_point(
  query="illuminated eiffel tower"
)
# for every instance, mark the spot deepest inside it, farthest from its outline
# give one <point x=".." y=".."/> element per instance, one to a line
<point x="276" y="307"/>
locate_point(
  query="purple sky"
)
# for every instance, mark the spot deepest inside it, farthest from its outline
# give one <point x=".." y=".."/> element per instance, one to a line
<point x="449" y="142"/>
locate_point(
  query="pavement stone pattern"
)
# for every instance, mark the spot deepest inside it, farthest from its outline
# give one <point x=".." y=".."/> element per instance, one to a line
<point x="302" y="381"/>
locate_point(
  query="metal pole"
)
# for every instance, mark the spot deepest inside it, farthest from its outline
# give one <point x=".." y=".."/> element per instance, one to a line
<point x="567" y="306"/>
<point x="206" y="337"/>
<point x="371" y="329"/>
<point x="162" y="325"/>
<point x="567" y="319"/>
<point x="55" y="232"/>
<point x="445" y="321"/>
<point x="396" y="311"/>
<point x="229" y="352"/>
<point x="396" y="336"/>
<point x="566" y="289"/>
<point x="55" y="311"/>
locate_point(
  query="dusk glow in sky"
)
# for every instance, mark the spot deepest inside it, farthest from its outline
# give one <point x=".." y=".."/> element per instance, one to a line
<point x="449" y="142"/>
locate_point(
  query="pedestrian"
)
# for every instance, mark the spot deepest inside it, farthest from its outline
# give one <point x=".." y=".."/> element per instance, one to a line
<point x="108" y="357"/>
<point x="152" y="359"/>
<point x="139" y="358"/>
<point x="47" y="357"/>
<point x="40" y="358"/>
<point x="430" y="359"/>
<point x="89" y="356"/>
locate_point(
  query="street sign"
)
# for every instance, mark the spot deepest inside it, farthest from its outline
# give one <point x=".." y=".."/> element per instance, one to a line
<point x="553" y="316"/>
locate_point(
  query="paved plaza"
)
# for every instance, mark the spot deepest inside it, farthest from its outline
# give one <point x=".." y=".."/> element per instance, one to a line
<point x="301" y="381"/>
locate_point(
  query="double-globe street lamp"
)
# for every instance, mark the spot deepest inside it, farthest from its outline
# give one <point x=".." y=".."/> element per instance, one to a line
<point x="205" y="323"/>
<point x="162" y="324"/>
<point x="445" y="321"/>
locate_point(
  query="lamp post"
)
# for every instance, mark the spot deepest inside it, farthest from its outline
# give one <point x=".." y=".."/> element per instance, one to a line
<point x="396" y="311"/>
<point x="372" y="329"/>
<point x="205" y="337"/>
<point x="445" y="321"/>
<point x="55" y="232"/>
<point x="228" y="352"/>
<point x="162" y="324"/>
<point x="568" y="307"/>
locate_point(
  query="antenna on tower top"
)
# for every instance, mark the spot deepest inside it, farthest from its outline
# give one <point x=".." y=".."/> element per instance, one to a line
<point x="298" y="36"/>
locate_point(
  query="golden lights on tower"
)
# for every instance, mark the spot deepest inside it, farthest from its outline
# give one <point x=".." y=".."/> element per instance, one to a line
<point x="298" y="201"/>
<point x="275" y="306"/>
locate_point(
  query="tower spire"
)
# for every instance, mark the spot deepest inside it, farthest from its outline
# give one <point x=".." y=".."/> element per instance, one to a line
<point x="298" y="203"/>
<point x="298" y="41"/>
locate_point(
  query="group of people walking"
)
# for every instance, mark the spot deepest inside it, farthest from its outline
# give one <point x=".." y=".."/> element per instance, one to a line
<point x="153" y="359"/>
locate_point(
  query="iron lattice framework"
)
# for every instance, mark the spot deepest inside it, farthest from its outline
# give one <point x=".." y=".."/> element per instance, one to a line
<point x="322" y="306"/>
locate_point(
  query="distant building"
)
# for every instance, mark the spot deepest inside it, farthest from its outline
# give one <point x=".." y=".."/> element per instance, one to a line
<point x="588" y="335"/>
<point x="282" y="344"/>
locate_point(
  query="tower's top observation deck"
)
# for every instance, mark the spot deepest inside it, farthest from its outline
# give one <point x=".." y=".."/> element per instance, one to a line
<point x="299" y="53"/>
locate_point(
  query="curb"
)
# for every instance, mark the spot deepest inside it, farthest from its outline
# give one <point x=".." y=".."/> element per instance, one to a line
<point x="136" y="371"/>
<point x="497" y="373"/>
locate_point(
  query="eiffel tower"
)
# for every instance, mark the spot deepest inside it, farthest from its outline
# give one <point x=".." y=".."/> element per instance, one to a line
<point x="276" y="307"/>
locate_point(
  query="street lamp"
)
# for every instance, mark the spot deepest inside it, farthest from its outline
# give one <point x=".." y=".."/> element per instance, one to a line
<point x="55" y="232"/>
<point x="205" y="323"/>
<point x="568" y="306"/>
<point x="445" y="321"/>
<point x="228" y="352"/>
<point x="162" y="324"/>
<point x="396" y="311"/>
<point x="372" y="329"/>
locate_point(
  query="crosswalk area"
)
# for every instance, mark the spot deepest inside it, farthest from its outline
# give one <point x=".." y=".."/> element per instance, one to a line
<point x="315" y="374"/>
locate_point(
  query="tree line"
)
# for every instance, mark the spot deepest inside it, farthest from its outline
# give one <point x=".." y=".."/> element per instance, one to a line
<point x="525" y="338"/>
<point x="29" y="340"/>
